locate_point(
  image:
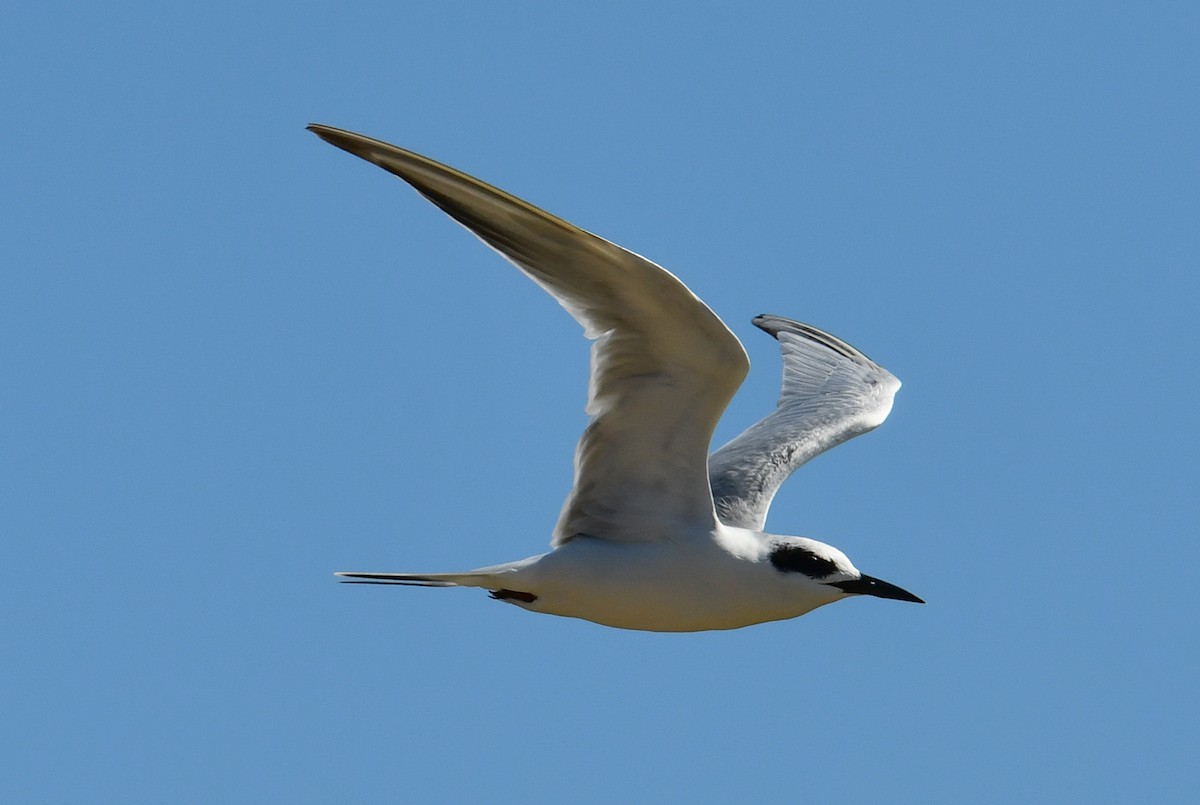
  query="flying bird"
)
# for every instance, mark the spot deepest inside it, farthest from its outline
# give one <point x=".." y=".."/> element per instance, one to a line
<point x="656" y="534"/>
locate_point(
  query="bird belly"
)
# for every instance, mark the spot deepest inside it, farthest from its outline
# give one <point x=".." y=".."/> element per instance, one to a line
<point x="659" y="587"/>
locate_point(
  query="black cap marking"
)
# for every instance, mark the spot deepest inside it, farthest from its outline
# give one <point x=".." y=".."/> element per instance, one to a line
<point x="798" y="559"/>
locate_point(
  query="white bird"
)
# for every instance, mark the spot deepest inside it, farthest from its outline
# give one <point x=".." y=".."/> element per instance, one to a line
<point x="656" y="534"/>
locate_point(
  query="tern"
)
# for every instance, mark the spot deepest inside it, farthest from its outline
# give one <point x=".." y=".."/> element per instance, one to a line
<point x="656" y="534"/>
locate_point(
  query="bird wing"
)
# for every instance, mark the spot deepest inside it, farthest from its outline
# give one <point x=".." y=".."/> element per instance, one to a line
<point x="663" y="366"/>
<point x="831" y="393"/>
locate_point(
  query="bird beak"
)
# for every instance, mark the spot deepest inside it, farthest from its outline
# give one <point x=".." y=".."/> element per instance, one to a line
<point x="869" y="585"/>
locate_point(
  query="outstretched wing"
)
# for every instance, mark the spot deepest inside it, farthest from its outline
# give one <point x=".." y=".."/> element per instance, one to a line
<point x="831" y="393"/>
<point x="664" y="367"/>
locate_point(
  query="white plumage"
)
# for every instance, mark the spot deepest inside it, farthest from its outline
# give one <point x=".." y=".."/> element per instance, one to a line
<point x="655" y="534"/>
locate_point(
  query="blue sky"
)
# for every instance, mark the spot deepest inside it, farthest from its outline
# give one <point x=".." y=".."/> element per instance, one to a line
<point x="236" y="360"/>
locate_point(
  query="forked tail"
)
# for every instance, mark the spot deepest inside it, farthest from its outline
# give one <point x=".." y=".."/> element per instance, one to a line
<point x="488" y="579"/>
<point x="406" y="579"/>
<point x="491" y="579"/>
<point x="415" y="579"/>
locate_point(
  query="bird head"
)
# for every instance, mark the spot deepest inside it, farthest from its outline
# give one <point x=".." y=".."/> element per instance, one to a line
<point x="829" y="567"/>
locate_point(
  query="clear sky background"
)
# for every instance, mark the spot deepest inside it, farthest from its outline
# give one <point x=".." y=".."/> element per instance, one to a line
<point x="234" y="359"/>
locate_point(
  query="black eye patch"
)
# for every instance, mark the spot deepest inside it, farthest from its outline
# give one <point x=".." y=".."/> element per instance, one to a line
<point x="795" y="559"/>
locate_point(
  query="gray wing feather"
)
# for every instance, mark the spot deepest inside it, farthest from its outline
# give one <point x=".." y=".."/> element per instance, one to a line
<point x="664" y="366"/>
<point x="831" y="393"/>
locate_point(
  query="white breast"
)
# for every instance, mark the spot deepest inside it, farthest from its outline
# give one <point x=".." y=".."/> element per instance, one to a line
<point x="723" y="582"/>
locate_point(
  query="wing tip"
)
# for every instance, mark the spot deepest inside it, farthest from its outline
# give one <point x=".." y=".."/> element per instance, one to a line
<point x="774" y="325"/>
<point x="322" y="131"/>
<point x="357" y="144"/>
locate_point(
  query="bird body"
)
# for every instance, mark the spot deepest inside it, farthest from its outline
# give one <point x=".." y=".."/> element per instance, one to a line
<point x="656" y="534"/>
<point x="718" y="580"/>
